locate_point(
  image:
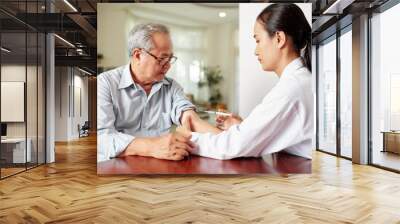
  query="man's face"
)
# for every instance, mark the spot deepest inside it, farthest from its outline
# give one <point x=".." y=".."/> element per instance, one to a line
<point x="150" y="68"/>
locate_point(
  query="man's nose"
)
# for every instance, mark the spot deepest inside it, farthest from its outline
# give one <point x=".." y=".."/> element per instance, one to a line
<point x="166" y="66"/>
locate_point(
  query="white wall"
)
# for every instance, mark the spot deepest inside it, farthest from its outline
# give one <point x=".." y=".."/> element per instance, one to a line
<point x="80" y="83"/>
<point x="17" y="73"/>
<point x="14" y="73"/>
<point x="13" y="93"/>
<point x="114" y="23"/>
<point x="254" y="83"/>
<point x="68" y="81"/>
<point x="221" y="51"/>
<point x="50" y="95"/>
<point x="33" y="126"/>
<point x="314" y="86"/>
<point x="61" y="103"/>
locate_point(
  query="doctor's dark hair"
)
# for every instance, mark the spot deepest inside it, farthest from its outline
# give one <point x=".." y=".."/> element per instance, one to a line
<point x="290" y="19"/>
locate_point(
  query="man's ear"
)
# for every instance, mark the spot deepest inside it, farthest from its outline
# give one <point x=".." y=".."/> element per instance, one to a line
<point x="281" y="39"/>
<point x="136" y="54"/>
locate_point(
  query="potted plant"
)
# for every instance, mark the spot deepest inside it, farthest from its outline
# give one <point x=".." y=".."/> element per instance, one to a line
<point x="213" y="77"/>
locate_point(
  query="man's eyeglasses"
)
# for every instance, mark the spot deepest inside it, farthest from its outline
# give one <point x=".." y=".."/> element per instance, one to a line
<point x="162" y="61"/>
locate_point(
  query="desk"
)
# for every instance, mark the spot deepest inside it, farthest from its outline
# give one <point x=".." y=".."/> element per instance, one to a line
<point x="277" y="163"/>
<point x="391" y="141"/>
<point x="13" y="150"/>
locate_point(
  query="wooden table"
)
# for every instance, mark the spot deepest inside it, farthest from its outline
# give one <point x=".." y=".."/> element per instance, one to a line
<point x="391" y="141"/>
<point x="277" y="163"/>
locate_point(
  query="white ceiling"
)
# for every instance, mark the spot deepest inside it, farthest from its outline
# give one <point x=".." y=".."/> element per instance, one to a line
<point x="186" y="14"/>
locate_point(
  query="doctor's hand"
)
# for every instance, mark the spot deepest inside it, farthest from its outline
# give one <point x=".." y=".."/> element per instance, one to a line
<point x="173" y="146"/>
<point x="224" y="122"/>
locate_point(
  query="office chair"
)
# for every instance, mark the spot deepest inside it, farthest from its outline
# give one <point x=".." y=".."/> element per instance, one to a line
<point x="84" y="130"/>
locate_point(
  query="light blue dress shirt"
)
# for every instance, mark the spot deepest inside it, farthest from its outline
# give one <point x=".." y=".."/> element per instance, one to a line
<point x="125" y="111"/>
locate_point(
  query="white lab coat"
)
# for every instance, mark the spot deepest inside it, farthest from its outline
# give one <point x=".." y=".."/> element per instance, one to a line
<point x="282" y="121"/>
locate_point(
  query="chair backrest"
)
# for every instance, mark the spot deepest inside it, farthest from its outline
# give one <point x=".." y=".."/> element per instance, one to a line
<point x="86" y="125"/>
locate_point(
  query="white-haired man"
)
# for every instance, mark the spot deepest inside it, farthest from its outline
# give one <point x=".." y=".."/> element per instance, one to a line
<point x="137" y="104"/>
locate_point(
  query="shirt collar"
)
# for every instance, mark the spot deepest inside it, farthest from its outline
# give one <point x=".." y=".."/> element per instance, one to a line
<point x="292" y="66"/>
<point x="127" y="81"/>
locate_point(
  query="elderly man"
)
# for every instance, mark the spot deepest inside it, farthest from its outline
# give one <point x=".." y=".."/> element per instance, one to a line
<point x="137" y="104"/>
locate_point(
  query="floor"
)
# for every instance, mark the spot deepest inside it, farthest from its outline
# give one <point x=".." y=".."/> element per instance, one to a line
<point x="8" y="171"/>
<point x="387" y="159"/>
<point x="69" y="191"/>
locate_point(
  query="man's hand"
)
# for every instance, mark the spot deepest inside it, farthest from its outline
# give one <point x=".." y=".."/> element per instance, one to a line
<point x="225" y="122"/>
<point x="173" y="146"/>
<point x="184" y="131"/>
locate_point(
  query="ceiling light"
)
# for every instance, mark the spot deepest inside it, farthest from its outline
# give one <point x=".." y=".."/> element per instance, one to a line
<point x="222" y="14"/>
<point x="86" y="72"/>
<point x="338" y="6"/>
<point x="65" y="41"/>
<point x="70" y="5"/>
<point x="5" y="50"/>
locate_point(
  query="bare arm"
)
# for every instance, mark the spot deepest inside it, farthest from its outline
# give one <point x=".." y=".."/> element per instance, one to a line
<point x="193" y="122"/>
<point x="141" y="146"/>
<point x="173" y="146"/>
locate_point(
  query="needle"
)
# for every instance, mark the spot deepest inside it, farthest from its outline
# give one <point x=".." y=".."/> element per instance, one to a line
<point x="218" y="113"/>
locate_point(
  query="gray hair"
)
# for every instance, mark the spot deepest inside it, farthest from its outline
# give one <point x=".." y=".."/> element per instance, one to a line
<point x="140" y="36"/>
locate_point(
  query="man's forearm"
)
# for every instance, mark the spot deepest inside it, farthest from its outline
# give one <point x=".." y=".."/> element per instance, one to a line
<point x="141" y="146"/>
<point x="199" y="125"/>
<point x="191" y="120"/>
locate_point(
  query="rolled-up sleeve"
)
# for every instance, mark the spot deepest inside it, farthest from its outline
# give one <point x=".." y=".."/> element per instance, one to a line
<point x="179" y="103"/>
<point x="110" y="142"/>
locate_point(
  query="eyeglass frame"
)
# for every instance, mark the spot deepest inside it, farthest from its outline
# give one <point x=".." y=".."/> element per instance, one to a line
<point x="170" y="58"/>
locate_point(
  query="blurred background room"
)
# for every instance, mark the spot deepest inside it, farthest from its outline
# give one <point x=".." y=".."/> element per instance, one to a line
<point x="205" y="41"/>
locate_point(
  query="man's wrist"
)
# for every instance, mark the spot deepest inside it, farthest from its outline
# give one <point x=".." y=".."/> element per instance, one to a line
<point x="140" y="147"/>
<point x="131" y="149"/>
<point x="157" y="143"/>
<point x="186" y="114"/>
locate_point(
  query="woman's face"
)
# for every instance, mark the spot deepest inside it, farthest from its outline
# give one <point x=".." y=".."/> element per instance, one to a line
<point x="266" y="48"/>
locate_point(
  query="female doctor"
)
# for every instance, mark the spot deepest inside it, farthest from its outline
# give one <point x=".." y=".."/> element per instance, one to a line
<point x="284" y="118"/>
